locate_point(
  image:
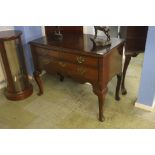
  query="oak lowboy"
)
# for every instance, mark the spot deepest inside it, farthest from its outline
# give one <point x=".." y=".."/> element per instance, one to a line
<point x="75" y="57"/>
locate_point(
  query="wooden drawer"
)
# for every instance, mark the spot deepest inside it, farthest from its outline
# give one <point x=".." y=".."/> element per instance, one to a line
<point x="43" y="61"/>
<point x="73" y="70"/>
<point x="83" y="72"/>
<point x="79" y="59"/>
<point x="47" y="52"/>
<point x="69" y="57"/>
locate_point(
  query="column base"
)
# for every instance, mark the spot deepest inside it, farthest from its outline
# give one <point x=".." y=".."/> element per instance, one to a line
<point x="16" y="96"/>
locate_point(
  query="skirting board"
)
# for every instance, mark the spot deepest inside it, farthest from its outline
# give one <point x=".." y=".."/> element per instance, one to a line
<point x="145" y="107"/>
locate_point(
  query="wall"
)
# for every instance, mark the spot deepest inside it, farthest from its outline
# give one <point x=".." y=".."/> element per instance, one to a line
<point x="4" y="28"/>
<point x="2" y="78"/>
<point x="90" y="30"/>
<point x="29" y="33"/>
<point x="146" y="94"/>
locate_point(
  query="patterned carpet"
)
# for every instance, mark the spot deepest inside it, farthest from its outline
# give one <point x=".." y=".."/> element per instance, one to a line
<point x="71" y="105"/>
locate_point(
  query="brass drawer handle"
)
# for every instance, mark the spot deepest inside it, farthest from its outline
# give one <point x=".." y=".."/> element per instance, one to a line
<point x="81" y="70"/>
<point x="62" y="64"/>
<point x="80" y="59"/>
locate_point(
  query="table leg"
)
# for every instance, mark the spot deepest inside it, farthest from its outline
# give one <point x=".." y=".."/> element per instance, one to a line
<point x="101" y="97"/>
<point x="61" y="77"/>
<point x="119" y="77"/>
<point x="39" y="82"/>
<point x="126" y="64"/>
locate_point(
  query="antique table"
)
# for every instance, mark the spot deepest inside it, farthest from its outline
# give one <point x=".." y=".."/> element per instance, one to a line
<point x="74" y="56"/>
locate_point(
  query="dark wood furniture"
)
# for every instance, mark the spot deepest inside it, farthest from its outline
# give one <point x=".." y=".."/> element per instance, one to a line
<point x="64" y="30"/>
<point x="74" y="57"/>
<point x="135" y="37"/>
<point x="18" y="86"/>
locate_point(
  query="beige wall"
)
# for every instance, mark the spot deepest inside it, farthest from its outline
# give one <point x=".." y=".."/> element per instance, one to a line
<point x="3" y="28"/>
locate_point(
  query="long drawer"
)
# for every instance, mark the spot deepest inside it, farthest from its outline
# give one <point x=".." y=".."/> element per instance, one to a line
<point x="69" y="57"/>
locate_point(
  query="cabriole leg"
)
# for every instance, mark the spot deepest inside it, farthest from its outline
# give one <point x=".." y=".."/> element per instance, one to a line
<point x="126" y="64"/>
<point x="101" y="97"/>
<point x="119" y="77"/>
<point x="39" y="82"/>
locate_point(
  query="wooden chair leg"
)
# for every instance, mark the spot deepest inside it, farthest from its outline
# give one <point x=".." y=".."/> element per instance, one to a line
<point x="61" y="77"/>
<point x="101" y="93"/>
<point x="119" y="77"/>
<point x="126" y="64"/>
<point x="39" y="82"/>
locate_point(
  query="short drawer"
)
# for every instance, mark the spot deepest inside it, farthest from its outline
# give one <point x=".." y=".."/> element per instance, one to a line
<point x="74" y="58"/>
<point x="68" y="57"/>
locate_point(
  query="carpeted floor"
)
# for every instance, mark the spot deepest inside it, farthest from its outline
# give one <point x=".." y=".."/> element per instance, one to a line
<point x="71" y="105"/>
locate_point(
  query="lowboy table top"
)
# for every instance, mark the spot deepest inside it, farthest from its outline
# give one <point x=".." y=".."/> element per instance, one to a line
<point x="79" y="43"/>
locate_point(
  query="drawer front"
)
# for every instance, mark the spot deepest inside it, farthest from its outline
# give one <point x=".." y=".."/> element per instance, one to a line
<point x="73" y="70"/>
<point x="83" y="72"/>
<point x="43" y="61"/>
<point x="46" y="52"/>
<point x="79" y="59"/>
<point x="69" y="57"/>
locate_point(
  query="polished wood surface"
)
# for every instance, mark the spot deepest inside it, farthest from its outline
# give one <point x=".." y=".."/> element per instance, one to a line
<point x="135" y="37"/>
<point x="11" y="91"/>
<point x="73" y="44"/>
<point x="75" y="57"/>
<point x="76" y="30"/>
<point x="9" y="35"/>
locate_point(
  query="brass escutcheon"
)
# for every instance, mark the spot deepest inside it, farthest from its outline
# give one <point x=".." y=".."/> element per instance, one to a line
<point x="80" y="59"/>
<point x="62" y="64"/>
<point x="81" y="70"/>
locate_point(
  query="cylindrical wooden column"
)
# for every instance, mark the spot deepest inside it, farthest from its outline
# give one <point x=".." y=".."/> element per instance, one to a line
<point x="11" y="50"/>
